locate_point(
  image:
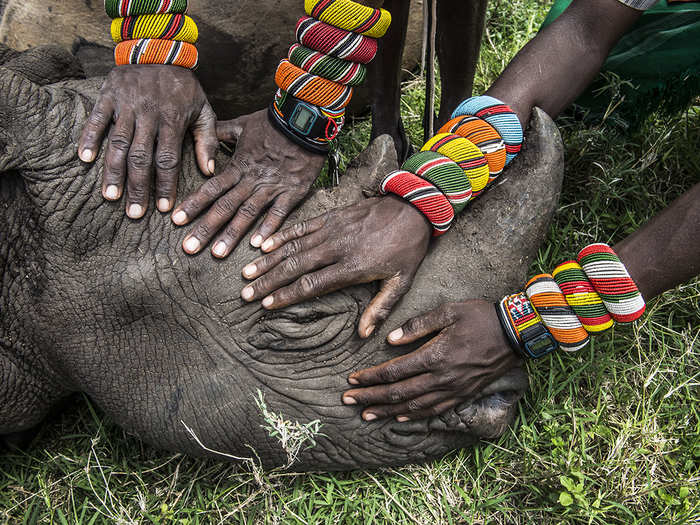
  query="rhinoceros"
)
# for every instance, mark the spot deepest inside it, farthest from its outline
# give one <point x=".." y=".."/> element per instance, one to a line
<point x="94" y="302"/>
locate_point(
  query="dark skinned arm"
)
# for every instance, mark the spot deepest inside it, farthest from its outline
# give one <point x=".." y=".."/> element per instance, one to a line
<point x="469" y="349"/>
<point x="556" y="66"/>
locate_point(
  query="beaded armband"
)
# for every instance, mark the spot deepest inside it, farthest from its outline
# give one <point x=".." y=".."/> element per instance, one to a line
<point x="577" y="300"/>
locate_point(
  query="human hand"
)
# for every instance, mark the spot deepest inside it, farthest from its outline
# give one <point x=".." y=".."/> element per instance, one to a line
<point x="376" y="239"/>
<point x="469" y="352"/>
<point x="151" y="107"/>
<point x="267" y="169"/>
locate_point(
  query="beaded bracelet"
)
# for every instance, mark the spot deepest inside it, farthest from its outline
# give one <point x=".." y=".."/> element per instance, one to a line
<point x="164" y="27"/>
<point x="500" y="116"/>
<point x="328" y="67"/>
<point x="423" y="195"/>
<point x="351" y="16"/>
<point x="335" y="42"/>
<point x="153" y="51"/>
<point x="444" y="173"/>
<point x="483" y="136"/>
<point x="579" y="299"/>
<point x="122" y="8"/>
<point x="466" y="155"/>
<point x="311" y="88"/>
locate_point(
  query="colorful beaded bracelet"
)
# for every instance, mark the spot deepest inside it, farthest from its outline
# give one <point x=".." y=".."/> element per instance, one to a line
<point x="556" y="314"/>
<point x="153" y="51"/>
<point x="444" y="173"/>
<point x="311" y="88"/>
<point x="335" y="42"/>
<point x="484" y="137"/>
<point x="466" y="155"/>
<point x="163" y="27"/>
<point x="500" y="116"/>
<point x="328" y="67"/>
<point x="577" y="299"/>
<point x="122" y="8"/>
<point x="423" y="195"/>
<point x="351" y="16"/>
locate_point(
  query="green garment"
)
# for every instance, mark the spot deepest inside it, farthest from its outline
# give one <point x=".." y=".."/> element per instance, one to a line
<point x="659" y="56"/>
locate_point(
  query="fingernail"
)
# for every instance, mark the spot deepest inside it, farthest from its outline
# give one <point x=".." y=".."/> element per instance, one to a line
<point x="267" y="301"/>
<point x="256" y="241"/>
<point x="86" y="155"/>
<point x="163" y="205"/>
<point x="247" y="293"/>
<point x="369" y="331"/>
<point x="135" y="211"/>
<point x="211" y="165"/>
<point x="219" y="249"/>
<point x="401" y="419"/>
<point x="250" y="270"/>
<point x="349" y="400"/>
<point x="179" y="217"/>
<point x="370" y="417"/>
<point x="192" y="245"/>
<point x="111" y="192"/>
<point x="396" y="334"/>
<point x="353" y="381"/>
<point x="267" y="244"/>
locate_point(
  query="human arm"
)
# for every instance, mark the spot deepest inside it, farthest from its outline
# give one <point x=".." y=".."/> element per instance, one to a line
<point x="469" y="349"/>
<point x="557" y="65"/>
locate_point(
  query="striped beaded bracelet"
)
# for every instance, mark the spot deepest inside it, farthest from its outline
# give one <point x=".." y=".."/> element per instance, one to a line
<point x="326" y="66"/>
<point x="466" y="155"/>
<point x="163" y="27"/>
<point x="444" y="173"/>
<point x="122" y="8"/>
<point x="423" y="195"/>
<point x="500" y="116"/>
<point x="335" y="42"/>
<point x="483" y="136"/>
<point x="351" y="16"/>
<point x="579" y="299"/>
<point x="311" y="88"/>
<point x="154" y="51"/>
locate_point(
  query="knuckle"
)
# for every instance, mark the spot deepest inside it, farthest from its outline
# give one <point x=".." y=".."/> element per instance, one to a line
<point x="167" y="160"/>
<point x="249" y="210"/>
<point x="433" y="358"/>
<point x="139" y="158"/>
<point x="414" y="405"/>
<point x="120" y="141"/>
<point x="291" y="248"/>
<point x="396" y="395"/>
<point x="224" y="207"/>
<point x="279" y="212"/>
<point x="213" y="187"/>
<point x="412" y="325"/>
<point x="308" y="284"/>
<point x="291" y="265"/>
<point x="300" y="229"/>
<point x="389" y="374"/>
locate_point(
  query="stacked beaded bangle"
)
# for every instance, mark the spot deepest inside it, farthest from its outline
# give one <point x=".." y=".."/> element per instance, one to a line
<point x="316" y="80"/>
<point x="153" y="32"/>
<point x="577" y="300"/>
<point x="466" y="155"/>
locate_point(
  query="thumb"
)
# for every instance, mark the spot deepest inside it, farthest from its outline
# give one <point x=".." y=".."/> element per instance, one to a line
<point x="231" y="130"/>
<point x="380" y="307"/>
<point x="205" y="141"/>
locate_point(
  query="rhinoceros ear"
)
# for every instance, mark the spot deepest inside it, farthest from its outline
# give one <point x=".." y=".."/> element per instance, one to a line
<point x="36" y="119"/>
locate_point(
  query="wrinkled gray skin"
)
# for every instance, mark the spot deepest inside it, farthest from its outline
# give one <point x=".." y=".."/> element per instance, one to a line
<point x="240" y="42"/>
<point x="92" y="301"/>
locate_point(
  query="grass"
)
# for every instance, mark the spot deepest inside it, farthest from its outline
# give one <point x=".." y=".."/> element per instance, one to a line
<point x="611" y="435"/>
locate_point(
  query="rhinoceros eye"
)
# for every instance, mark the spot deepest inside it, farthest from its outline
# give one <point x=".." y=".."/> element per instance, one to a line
<point x="326" y="322"/>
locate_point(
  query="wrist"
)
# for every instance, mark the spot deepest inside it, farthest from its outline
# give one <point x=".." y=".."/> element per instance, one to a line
<point x="415" y="223"/>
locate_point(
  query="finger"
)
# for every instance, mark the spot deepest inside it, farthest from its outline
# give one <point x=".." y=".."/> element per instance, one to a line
<point x="308" y="259"/>
<point x="294" y="232"/>
<point x="278" y="212"/>
<point x="417" y="362"/>
<point x="308" y="286"/>
<point x="422" y="325"/>
<point x="168" y="165"/>
<point x="220" y="213"/>
<point x="139" y="165"/>
<point x="118" y="144"/>
<point x="94" y="129"/>
<point x="381" y="305"/>
<point x="264" y="264"/>
<point x="428" y="403"/>
<point x="420" y="413"/>
<point x="230" y="130"/>
<point x="205" y="141"/>
<point x="207" y="193"/>
<point x="244" y="219"/>
<point x="403" y="390"/>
